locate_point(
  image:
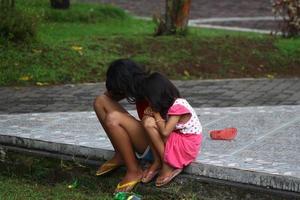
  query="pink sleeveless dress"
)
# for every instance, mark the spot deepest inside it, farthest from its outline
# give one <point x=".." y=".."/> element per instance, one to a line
<point x="184" y="143"/>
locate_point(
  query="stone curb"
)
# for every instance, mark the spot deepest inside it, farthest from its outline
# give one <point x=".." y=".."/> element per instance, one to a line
<point x="199" y="23"/>
<point x="244" y="176"/>
<point x="286" y="183"/>
<point x="67" y="149"/>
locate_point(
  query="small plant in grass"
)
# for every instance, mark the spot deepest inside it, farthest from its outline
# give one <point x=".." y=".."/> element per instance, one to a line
<point x="289" y="10"/>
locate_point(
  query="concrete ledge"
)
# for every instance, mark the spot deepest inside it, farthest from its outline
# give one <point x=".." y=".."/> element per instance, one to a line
<point x="52" y="147"/>
<point x="266" y="152"/>
<point x="247" y="177"/>
<point x="206" y="170"/>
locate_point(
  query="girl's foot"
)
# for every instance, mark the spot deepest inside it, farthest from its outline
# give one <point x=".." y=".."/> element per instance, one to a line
<point x="130" y="180"/>
<point x="151" y="172"/>
<point x="167" y="174"/>
<point x="109" y="165"/>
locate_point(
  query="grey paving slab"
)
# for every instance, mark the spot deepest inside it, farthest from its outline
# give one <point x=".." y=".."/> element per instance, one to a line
<point x="200" y="93"/>
<point x="209" y="9"/>
<point x="199" y="8"/>
<point x="251" y="126"/>
<point x="266" y="151"/>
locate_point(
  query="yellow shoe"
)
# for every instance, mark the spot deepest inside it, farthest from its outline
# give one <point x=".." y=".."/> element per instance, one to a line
<point x="108" y="166"/>
<point x="127" y="187"/>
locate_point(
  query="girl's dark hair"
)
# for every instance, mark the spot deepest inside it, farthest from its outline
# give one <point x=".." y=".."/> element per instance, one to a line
<point x="160" y="92"/>
<point x="123" y="78"/>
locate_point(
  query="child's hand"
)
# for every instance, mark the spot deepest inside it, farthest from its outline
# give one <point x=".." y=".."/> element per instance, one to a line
<point x="148" y="111"/>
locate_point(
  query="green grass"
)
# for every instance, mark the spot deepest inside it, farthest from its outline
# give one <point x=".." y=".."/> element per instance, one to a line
<point x="78" y="12"/>
<point x="75" y="52"/>
<point x="57" y="33"/>
<point x="47" y="178"/>
<point x="31" y="177"/>
<point x="34" y="178"/>
<point x="14" y="188"/>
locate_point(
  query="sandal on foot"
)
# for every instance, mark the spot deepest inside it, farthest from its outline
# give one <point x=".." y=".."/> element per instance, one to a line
<point x="127" y="187"/>
<point x="108" y="166"/>
<point x="167" y="179"/>
<point x="224" y="134"/>
<point x="149" y="176"/>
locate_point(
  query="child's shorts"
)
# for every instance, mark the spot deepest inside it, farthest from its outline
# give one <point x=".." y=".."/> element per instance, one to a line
<point x="146" y="156"/>
<point x="182" y="149"/>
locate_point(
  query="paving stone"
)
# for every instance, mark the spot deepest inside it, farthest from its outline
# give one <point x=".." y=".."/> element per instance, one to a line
<point x="208" y="9"/>
<point x="265" y="152"/>
<point x="217" y="93"/>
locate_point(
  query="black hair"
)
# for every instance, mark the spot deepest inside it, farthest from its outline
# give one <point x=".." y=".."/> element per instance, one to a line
<point x="160" y="93"/>
<point x="124" y="77"/>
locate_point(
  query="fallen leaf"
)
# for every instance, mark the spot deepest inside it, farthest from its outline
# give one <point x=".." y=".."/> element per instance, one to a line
<point x="77" y="48"/>
<point x="25" y="78"/>
<point x="41" y="84"/>
<point x="270" y="76"/>
<point x="37" y="51"/>
<point x="186" y="73"/>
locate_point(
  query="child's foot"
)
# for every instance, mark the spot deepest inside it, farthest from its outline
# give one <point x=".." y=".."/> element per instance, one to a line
<point x="151" y="172"/>
<point x="167" y="174"/>
<point x="109" y="165"/>
<point x="130" y="180"/>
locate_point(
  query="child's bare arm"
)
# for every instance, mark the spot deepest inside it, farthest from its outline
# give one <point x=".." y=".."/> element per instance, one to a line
<point x="165" y="128"/>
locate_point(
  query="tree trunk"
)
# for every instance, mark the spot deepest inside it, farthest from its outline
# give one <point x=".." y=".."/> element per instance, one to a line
<point x="176" y="17"/>
<point x="60" y="4"/>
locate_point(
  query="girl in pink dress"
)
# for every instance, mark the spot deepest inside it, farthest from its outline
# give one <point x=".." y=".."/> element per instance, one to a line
<point x="173" y="128"/>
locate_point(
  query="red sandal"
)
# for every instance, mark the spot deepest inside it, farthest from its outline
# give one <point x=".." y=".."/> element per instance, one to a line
<point x="224" y="134"/>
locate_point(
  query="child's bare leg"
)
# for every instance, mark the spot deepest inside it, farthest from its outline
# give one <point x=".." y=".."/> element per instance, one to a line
<point x="165" y="171"/>
<point x="104" y="105"/>
<point x="167" y="174"/>
<point x="154" y="135"/>
<point x="152" y="170"/>
<point x="156" y="164"/>
<point x="125" y="133"/>
<point x="124" y="145"/>
<point x="157" y="144"/>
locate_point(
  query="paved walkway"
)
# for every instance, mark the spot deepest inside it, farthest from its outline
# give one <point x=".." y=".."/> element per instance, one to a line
<point x="207" y="93"/>
<point x="265" y="152"/>
<point x="210" y="9"/>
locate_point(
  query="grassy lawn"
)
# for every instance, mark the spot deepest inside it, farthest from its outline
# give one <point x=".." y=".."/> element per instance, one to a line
<point x="35" y="178"/>
<point x="30" y="177"/>
<point x="77" y="45"/>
